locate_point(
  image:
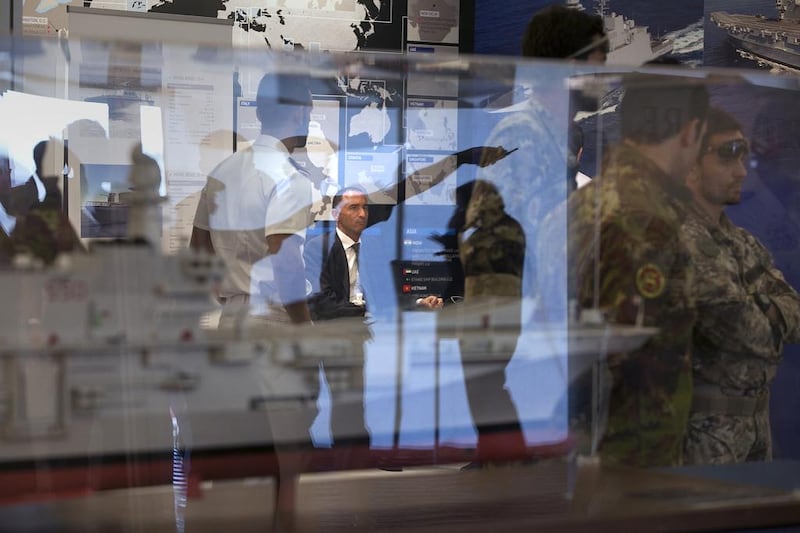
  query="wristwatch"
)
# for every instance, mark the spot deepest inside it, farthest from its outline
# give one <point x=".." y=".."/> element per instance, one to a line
<point x="763" y="301"/>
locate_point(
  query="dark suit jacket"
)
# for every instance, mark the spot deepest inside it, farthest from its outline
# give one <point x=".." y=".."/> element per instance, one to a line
<point x="326" y="269"/>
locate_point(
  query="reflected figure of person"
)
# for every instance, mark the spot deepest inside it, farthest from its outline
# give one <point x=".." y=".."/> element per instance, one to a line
<point x="23" y="197"/>
<point x="492" y="252"/>
<point x="332" y="259"/>
<point x="253" y="213"/>
<point x="255" y="208"/>
<point x="498" y="215"/>
<point x="41" y="228"/>
<point x="627" y="259"/>
<point x="332" y="268"/>
<point x="746" y="310"/>
<point x="539" y="175"/>
<point x="432" y="175"/>
<point x="337" y="291"/>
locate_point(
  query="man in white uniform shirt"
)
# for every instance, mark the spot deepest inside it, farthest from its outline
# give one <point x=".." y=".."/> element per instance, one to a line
<point x="253" y="213"/>
<point x="255" y="208"/>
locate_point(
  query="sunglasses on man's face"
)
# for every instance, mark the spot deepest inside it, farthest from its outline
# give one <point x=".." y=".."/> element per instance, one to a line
<point x="735" y="150"/>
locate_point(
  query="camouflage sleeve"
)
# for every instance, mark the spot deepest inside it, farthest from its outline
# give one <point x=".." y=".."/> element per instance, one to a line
<point x="729" y="320"/>
<point x="769" y="280"/>
<point x="493" y="256"/>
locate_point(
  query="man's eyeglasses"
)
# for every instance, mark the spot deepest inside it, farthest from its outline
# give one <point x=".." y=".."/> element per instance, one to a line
<point x="735" y="150"/>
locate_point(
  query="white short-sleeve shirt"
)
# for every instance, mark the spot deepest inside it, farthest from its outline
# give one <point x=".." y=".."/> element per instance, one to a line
<point x="254" y="193"/>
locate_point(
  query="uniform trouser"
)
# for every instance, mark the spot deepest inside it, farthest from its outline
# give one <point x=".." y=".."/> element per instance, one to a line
<point x="345" y="383"/>
<point x="290" y="424"/>
<point x="493" y="411"/>
<point x="348" y="427"/>
<point x="714" y="438"/>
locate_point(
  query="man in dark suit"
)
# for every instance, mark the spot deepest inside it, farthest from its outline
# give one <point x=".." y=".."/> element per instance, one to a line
<point x="332" y="260"/>
<point x="332" y="269"/>
<point x="331" y="263"/>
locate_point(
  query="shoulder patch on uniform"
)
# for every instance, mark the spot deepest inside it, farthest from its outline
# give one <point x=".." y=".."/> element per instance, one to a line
<point x="650" y="281"/>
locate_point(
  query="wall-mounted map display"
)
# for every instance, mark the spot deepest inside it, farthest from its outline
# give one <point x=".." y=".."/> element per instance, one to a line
<point x="418" y="186"/>
<point x="433" y="21"/>
<point x="432" y="124"/>
<point x="424" y="83"/>
<point x="374" y="110"/>
<point x="376" y="172"/>
<point x="342" y="25"/>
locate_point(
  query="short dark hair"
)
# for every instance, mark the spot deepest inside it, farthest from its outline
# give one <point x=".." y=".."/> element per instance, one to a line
<point x="559" y="32"/>
<point x="38" y="157"/>
<point x="719" y="121"/>
<point x="655" y="106"/>
<point x="278" y="92"/>
<point x="339" y="196"/>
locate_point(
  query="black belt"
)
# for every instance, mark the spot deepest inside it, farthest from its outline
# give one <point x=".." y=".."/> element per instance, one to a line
<point x="713" y="401"/>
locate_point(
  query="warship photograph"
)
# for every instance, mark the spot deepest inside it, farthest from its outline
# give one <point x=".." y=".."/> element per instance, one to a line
<point x="770" y="42"/>
<point x="628" y="44"/>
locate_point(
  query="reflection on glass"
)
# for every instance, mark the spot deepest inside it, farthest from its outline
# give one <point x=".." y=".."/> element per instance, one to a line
<point x="348" y="279"/>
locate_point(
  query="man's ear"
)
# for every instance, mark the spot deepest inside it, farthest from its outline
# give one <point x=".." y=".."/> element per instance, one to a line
<point x="691" y="132"/>
<point x="693" y="176"/>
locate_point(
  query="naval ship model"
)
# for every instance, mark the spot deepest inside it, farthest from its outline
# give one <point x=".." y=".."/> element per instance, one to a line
<point x="773" y="43"/>
<point x="628" y="44"/>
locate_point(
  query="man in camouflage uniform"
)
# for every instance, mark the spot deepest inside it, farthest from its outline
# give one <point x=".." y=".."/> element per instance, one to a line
<point x="39" y="228"/>
<point x="746" y="310"/>
<point x="625" y="228"/>
<point x="506" y="203"/>
<point x="492" y="250"/>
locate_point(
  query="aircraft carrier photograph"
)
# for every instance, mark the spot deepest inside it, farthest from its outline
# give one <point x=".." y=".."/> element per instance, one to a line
<point x="756" y="33"/>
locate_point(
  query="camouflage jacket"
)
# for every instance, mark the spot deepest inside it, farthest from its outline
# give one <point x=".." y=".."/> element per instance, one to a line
<point x="628" y="225"/>
<point x="42" y="231"/>
<point x="532" y="180"/>
<point x="735" y="345"/>
<point x="492" y="247"/>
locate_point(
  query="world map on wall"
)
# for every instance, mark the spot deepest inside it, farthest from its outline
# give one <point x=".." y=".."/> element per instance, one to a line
<point x="373" y="112"/>
<point x="338" y="25"/>
<point x="342" y="25"/>
<point x="309" y="24"/>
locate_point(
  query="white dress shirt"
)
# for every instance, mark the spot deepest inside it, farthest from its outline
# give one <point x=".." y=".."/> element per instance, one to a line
<point x="356" y="295"/>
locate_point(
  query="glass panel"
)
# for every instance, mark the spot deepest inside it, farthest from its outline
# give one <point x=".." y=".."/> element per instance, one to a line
<point x="253" y="290"/>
